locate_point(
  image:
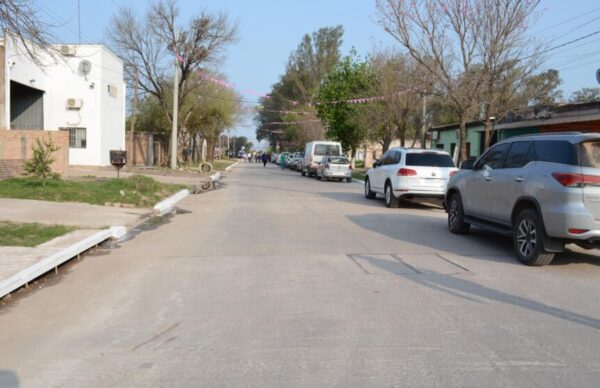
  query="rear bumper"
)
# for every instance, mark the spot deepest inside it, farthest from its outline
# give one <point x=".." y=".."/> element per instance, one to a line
<point x="337" y="174"/>
<point x="560" y="219"/>
<point x="419" y="194"/>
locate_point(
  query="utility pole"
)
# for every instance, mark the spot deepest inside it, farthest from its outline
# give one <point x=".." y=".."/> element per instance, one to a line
<point x="79" y="21"/>
<point x="424" y="126"/>
<point x="175" y="106"/>
<point x="134" y="113"/>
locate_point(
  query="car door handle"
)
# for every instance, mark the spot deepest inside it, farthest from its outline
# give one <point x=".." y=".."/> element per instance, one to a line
<point x="520" y="180"/>
<point x="487" y="178"/>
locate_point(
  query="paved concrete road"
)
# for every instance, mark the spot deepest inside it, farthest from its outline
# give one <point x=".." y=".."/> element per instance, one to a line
<point x="278" y="280"/>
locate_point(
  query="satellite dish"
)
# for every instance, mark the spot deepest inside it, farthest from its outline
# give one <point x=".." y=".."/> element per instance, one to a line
<point x="598" y="75"/>
<point x="84" y="67"/>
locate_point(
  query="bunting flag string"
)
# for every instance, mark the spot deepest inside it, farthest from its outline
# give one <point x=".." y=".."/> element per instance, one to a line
<point x="206" y="76"/>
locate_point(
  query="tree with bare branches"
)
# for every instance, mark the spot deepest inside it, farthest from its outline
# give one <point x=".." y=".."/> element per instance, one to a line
<point x="150" y="44"/>
<point x="20" y="21"/>
<point x="466" y="46"/>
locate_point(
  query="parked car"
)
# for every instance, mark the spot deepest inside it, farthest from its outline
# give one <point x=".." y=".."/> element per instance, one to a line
<point x="293" y="161"/>
<point x="406" y="173"/>
<point x="315" y="151"/>
<point x="335" y="167"/>
<point x="543" y="190"/>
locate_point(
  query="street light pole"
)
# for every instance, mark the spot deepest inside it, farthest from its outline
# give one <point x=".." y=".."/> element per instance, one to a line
<point x="175" y="107"/>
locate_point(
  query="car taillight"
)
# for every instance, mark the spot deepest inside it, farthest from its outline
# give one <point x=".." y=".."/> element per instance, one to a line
<point x="327" y="165"/>
<point x="576" y="180"/>
<point x="577" y="231"/>
<point x="350" y="167"/>
<point x="452" y="173"/>
<point x="406" y="172"/>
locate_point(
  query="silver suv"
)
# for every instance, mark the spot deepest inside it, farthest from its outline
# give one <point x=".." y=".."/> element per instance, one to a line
<point x="543" y="190"/>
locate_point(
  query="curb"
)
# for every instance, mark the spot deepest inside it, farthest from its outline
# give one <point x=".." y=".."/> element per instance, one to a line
<point x="357" y="181"/>
<point x="228" y="169"/>
<point x="165" y="206"/>
<point x="53" y="261"/>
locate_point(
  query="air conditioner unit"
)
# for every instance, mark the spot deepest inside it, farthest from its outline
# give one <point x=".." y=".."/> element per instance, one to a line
<point x="112" y="90"/>
<point x="67" y="51"/>
<point x="74" y="103"/>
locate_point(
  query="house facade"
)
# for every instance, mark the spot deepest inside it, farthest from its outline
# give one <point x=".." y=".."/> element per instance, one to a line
<point x="584" y="117"/>
<point x="79" y="90"/>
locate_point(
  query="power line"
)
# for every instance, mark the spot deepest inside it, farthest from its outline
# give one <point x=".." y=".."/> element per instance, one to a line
<point x="569" y="20"/>
<point x="561" y="45"/>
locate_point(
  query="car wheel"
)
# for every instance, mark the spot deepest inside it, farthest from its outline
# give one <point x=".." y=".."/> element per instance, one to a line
<point x="349" y="180"/>
<point x="390" y="199"/>
<point x="303" y="172"/>
<point x="528" y="238"/>
<point x="368" y="193"/>
<point x="456" y="216"/>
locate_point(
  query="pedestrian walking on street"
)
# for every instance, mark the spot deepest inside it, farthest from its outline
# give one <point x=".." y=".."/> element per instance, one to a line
<point x="282" y="162"/>
<point x="265" y="159"/>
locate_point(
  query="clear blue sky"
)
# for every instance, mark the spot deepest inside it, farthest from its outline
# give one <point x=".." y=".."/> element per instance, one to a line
<point x="271" y="29"/>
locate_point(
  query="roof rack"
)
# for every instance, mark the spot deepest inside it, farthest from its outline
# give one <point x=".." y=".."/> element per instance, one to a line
<point x="549" y="134"/>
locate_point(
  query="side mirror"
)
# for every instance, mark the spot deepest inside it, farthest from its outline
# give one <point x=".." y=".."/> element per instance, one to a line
<point x="468" y="164"/>
<point x="376" y="164"/>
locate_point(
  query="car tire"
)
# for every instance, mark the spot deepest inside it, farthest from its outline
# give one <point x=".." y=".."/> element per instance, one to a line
<point x="528" y="239"/>
<point x="456" y="216"/>
<point x="368" y="193"/>
<point x="348" y="180"/>
<point x="303" y="172"/>
<point x="390" y="199"/>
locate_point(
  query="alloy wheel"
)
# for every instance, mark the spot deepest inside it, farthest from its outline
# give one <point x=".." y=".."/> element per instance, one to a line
<point x="453" y="213"/>
<point x="526" y="237"/>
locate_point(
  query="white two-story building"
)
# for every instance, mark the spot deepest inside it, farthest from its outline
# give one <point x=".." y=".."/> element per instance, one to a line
<point x="80" y="89"/>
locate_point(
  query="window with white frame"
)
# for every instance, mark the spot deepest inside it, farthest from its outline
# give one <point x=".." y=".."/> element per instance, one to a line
<point x="77" y="137"/>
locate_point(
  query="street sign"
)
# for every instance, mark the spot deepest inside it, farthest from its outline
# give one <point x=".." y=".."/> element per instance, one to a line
<point x="598" y="75"/>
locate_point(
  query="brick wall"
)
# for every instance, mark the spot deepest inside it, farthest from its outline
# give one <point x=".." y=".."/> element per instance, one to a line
<point x="138" y="148"/>
<point x="16" y="148"/>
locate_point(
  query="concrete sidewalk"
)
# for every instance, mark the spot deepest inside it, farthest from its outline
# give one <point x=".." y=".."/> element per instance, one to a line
<point x="82" y="215"/>
<point x="15" y="259"/>
<point x="162" y="176"/>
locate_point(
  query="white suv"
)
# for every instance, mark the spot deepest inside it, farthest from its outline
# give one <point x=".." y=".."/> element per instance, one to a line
<point x="406" y="173"/>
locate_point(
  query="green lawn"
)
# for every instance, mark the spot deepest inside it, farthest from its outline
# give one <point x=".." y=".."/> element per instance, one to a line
<point x="29" y="235"/>
<point x="221" y="165"/>
<point x="139" y="191"/>
<point x="359" y="173"/>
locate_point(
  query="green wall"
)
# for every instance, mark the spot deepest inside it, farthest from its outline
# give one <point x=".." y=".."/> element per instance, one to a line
<point x="508" y="133"/>
<point x="448" y="137"/>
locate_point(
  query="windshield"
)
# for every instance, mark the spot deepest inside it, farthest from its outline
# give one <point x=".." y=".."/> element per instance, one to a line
<point x="429" y="160"/>
<point x="327" y="149"/>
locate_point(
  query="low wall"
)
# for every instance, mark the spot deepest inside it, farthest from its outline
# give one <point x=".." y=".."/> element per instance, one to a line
<point x="16" y="148"/>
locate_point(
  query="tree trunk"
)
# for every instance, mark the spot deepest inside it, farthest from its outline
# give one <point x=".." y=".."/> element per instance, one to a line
<point x="463" y="137"/>
<point x="489" y="125"/>
<point x="353" y="157"/>
<point x="386" y="144"/>
<point x="211" y="143"/>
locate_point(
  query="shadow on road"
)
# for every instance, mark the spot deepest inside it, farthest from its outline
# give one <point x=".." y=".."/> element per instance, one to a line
<point x="468" y="290"/>
<point x="8" y="379"/>
<point x="433" y="232"/>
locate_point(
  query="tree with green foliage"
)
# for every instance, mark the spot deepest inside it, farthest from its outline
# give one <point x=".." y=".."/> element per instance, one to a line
<point x="297" y="88"/>
<point x="585" y="95"/>
<point x="352" y="78"/>
<point x="40" y="165"/>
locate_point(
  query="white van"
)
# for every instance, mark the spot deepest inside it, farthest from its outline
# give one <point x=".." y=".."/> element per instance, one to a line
<point x="315" y="152"/>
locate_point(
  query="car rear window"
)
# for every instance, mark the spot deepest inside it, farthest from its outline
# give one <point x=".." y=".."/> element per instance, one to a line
<point x="429" y="160"/>
<point x="555" y="151"/>
<point x="327" y="149"/>
<point x="589" y="154"/>
<point x="339" y="161"/>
